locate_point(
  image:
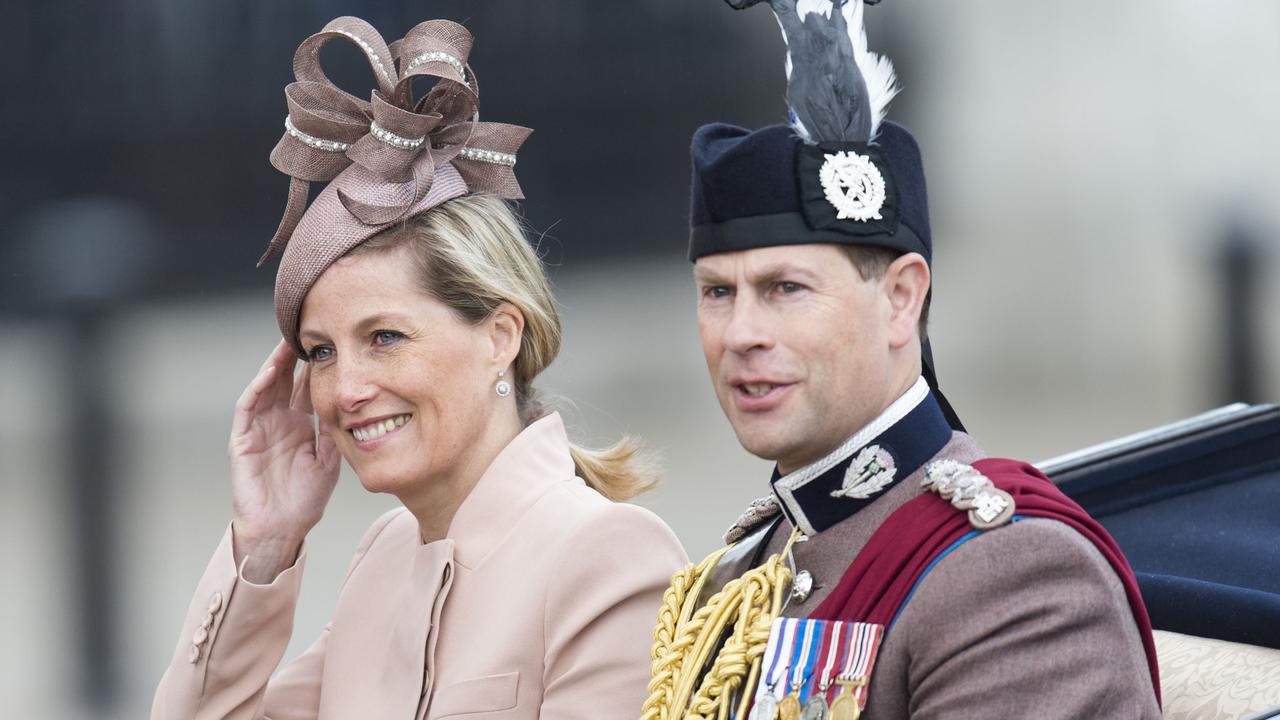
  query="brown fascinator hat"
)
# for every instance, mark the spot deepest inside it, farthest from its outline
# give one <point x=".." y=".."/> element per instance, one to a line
<point x="386" y="159"/>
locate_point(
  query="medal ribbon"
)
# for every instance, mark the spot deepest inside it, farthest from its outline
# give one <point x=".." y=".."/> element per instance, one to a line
<point x="864" y="643"/>
<point x="835" y="659"/>
<point x="805" y="659"/>
<point x="780" y="639"/>
<point x="825" y="658"/>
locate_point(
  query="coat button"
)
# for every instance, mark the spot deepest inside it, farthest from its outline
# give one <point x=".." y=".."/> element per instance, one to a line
<point x="207" y="622"/>
<point x="200" y="636"/>
<point x="193" y="655"/>
<point x="802" y="586"/>
<point x="215" y="602"/>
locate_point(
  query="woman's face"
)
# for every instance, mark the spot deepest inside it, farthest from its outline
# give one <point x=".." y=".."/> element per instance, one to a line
<point x="404" y="385"/>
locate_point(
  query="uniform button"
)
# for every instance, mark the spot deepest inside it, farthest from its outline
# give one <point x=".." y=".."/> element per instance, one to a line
<point x="802" y="586"/>
<point x="207" y="622"/>
<point x="193" y="655"/>
<point x="200" y="636"/>
<point x="215" y="602"/>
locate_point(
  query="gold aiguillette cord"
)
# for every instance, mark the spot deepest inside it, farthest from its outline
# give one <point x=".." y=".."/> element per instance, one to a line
<point x="686" y="636"/>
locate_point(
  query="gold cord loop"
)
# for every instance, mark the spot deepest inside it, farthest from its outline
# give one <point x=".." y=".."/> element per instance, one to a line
<point x="686" y="637"/>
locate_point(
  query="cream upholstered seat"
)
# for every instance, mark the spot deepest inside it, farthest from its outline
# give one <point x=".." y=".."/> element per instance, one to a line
<point x="1206" y="679"/>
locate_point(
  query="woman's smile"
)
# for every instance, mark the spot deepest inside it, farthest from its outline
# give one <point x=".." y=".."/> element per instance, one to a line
<point x="371" y="434"/>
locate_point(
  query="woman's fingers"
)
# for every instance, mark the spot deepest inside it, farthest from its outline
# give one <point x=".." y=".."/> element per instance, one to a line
<point x="250" y="400"/>
<point x="301" y="399"/>
<point x="285" y="361"/>
<point x="326" y="448"/>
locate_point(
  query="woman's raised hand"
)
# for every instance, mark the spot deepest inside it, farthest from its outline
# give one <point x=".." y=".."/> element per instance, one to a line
<point x="283" y="469"/>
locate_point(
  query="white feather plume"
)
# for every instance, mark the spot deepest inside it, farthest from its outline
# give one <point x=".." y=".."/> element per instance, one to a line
<point x="821" y="7"/>
<point x="877" y="70"/>
<point x="785" y="42"/>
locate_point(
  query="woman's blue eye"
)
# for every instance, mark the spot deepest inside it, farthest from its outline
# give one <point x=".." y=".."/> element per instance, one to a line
<point x="319" y="352"/>
<point x="383" y="337"/>
<point x="789" y="287"/>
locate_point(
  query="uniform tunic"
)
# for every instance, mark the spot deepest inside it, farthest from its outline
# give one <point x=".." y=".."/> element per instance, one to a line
<point x="1026" y="620"/>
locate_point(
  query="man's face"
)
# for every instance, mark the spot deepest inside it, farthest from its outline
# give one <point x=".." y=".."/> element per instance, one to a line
<point x="798" y="346"/>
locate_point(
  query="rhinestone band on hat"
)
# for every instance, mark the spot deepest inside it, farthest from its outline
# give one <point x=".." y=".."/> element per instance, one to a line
<point x="313" y="141"/>
<point x="437" y="56"/>
<point x="393" y="139"/>
<point x="489" y="156"/>
<point x="368" y="50"/>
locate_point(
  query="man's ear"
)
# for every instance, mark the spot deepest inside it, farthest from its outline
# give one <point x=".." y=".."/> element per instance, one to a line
<point x="906" y="284"/>
<point x="506" y="328"/>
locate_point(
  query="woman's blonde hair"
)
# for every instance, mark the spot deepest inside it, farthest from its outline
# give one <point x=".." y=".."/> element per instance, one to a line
<point x="472" y="255"/>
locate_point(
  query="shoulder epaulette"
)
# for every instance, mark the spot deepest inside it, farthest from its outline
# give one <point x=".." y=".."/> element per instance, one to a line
<point x="967" y="489"/>
<point x="761" y="510"/>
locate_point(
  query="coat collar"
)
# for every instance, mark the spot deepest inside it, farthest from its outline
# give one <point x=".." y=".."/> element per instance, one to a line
<point x="877" y="457"/>
<point x="531" y="464"/>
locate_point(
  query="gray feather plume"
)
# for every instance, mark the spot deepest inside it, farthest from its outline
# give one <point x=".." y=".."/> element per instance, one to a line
<point x="837" y="89"/>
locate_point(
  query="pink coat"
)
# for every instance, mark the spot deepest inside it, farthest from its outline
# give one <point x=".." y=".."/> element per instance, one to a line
<point x="539" y="603"/>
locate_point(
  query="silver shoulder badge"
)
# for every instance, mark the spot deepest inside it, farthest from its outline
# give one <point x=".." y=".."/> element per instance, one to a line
<point x="967" y="489"/>
<point x="761" y="509"/>
<point x="853" y="185"/>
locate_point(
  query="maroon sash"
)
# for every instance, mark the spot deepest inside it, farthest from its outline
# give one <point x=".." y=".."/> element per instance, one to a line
<point x="876" y="586"/>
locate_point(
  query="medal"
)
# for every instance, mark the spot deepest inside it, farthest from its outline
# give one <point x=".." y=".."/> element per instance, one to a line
<point x="789" y="708"/>
<point x="845" y="707"/>
<point x="765" y="708"/>
<point x="815" y="708"/>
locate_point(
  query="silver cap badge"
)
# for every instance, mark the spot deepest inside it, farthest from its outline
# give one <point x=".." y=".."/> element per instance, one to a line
<point x="853" y="185"/>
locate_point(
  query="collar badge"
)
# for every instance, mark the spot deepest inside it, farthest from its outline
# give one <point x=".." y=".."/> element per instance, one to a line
<point x="868" y="474"/>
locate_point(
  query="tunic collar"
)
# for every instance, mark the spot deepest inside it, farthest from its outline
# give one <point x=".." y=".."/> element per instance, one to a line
<point x="877" y="457"/>
<point x="533" y="463"/>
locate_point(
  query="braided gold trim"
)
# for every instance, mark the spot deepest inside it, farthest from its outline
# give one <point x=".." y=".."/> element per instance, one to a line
<point x="686" y="636"/>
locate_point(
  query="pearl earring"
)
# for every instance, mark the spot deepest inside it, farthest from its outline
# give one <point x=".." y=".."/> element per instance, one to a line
<point x="503" y="388"/>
